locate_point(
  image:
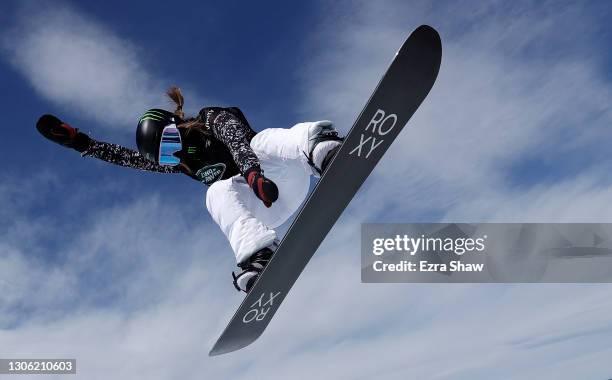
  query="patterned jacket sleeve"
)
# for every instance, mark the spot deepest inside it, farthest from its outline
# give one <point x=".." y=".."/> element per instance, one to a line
<point x="236" y="136"/>
<point x="118" y="155"/>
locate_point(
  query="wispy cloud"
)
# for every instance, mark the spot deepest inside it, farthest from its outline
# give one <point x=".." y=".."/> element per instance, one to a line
<point x="82" y="66"/>
<point x="501" y="98"/>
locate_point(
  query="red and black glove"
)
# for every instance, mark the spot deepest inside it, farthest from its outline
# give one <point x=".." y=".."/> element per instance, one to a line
<point x="61" y="133"/>
<point x="263" y="187"/>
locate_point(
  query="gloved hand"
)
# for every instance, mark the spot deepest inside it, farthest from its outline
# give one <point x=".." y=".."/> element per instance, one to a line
<point x="263" y="187"/>
<point x="59" y="132"/>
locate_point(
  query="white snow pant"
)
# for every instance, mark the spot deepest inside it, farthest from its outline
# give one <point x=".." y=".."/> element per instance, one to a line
<point x="233" y="205"/>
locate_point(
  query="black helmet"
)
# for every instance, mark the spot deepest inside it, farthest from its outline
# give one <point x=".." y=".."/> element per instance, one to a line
<point x="149" y="131"/>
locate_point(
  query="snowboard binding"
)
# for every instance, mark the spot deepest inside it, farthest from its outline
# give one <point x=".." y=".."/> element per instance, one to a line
<point x="252" y="268"/>
<point x="321" y="131"/>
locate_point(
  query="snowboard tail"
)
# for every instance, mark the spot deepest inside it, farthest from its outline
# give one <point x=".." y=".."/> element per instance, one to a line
<point x="399" y="93"/>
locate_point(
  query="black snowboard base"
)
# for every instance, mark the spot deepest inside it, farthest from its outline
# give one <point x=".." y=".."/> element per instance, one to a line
<point x="400" y="92"/>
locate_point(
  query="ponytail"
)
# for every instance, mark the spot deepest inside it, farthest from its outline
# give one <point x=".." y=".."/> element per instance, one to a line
<point x="177" y="97"/>
<point x="188" y="124"/>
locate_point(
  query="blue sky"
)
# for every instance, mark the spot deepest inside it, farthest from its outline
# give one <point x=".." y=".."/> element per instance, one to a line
<point x="517" y="128"/>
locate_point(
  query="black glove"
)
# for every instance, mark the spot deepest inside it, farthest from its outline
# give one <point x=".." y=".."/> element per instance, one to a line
<point x="263" y="187"/>
<point x="59" y="132"/>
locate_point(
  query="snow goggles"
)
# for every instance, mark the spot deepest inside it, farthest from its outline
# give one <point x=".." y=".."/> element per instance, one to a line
<point x="170" y="144"/>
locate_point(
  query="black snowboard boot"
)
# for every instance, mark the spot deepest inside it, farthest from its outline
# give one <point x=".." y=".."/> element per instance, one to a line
<point x="252" y="268"/>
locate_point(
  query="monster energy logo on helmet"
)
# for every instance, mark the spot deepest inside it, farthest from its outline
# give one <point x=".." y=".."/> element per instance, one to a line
<point x="153" y="114"/>
<point x="149" y="131"/>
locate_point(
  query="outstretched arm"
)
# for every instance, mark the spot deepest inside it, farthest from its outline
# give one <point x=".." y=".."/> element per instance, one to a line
<point x="119" y="155"/>
<point x="61" y="133"/>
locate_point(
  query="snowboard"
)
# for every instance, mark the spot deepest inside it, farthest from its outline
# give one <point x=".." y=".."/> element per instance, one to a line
<point x="399" y="93"/>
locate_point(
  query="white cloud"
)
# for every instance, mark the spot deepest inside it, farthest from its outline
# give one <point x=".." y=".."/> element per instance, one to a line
<point x="497" y="101"/>
<point x="82" y="66"/>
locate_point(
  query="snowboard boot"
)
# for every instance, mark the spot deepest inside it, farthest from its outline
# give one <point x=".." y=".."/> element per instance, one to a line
<point x="252" y="267"/>
<point x="323" y="144"/>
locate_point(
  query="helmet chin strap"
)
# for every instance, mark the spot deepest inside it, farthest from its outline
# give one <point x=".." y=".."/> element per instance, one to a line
<point x="184" y="168"/>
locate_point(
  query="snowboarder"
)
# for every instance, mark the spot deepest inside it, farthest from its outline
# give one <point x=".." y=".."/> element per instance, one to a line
<point x="219" y="149"/>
